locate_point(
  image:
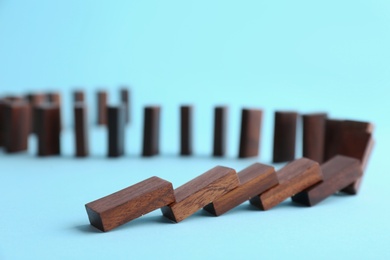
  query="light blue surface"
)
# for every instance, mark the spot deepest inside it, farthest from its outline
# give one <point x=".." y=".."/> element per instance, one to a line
<point x="303" y="55"/>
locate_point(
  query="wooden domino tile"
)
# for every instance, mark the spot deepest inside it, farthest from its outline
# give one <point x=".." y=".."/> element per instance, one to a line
<point x="284" y="136"/>
<point x="102" y="97"/>
<point x="54" y="98"/>
<point x="78" y="96"/>
<point x="17" y="126"/>
<point x="220" y="133"/>
<point x="186" y="130"/>
<point x="200" y="191"/>
<point x="132" y="202"/>
<point x="151" y="138"/>
<point x="338" y="173"/>
<point x="116" y="130"/>
<point x="293" y="178"/>
<point x="48" y="129"/>
<point x="314" y="136"/>
<point x="250" y="133"/>
<point x="81" y="130"/>
<point x="35" y="99"/>
<point x="254" y="180"/>
<point x="125" y="99"/>
<point x="2" y="122"/>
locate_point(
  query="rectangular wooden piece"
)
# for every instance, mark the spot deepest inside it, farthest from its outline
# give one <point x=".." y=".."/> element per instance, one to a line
<point x="254" y="180"/>
<point x="81" y="130"/>
<point x="200" y="191"/>
<point x="284" y="136"/>
<point x="116" y="130"/>
<point x="17" y="126"/>
<point x="102" y="97"/>
<point x="186" y="130"/>
<point x="48" y="129"/>
<point x="293" y="178"/>
<point x="338" y="173"/>
<point x="250" y="133"/>
<point x="132" y="202"/>
<point x="151" y="137"/>
<point x="220" y="133"/>
<point x="314" y="136"/>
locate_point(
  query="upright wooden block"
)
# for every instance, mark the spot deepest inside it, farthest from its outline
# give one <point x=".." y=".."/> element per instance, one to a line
<point x="54" y="98"/>
<point x="186" y="130"/>
<point x="78" y="96"/>
<point x="250" y="133"/>
<point x="116" y="130"/>
<point x="151" y="131"/>
<point x="81" y="130"/>
<point x="293" y="178"/>
<point x="2" y="122"/>
<point x="220" y="122"/>
<point x="349" y="138"/>
<point x="48" y="129"/>
<point x="125" y="99"/>
<point x="314" y="136"/>
<point x="284" y="136"/>
<point x="200" y="191"/>
<point x="132" y="202"/>
<point x="338" y="173"/>
<point x="17" y="126"/>
<point x="35" y="99"/>
<point x="254" y="180"/>
<point x="102" y="97"/>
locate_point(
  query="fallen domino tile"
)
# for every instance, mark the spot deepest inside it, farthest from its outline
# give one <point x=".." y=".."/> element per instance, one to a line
<point x="338" y="173"/>
<point x="254" y="180"/>
<point x="197" y="193"/>
<point x="132" y="202"/>
<point x="293" y="178"/>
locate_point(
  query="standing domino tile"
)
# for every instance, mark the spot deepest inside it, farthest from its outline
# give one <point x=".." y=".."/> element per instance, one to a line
<point x="17" y="126"/>
<point x="197" y="193"/>
<point x="116" y="130"/>
<point x="78" y="96"/>
<point x="151" y="131"/>
<point x="81" y="130"/>
<point x="102" y="97"/>
<point x="293" y="178"/>
<point x="254" y="180"/>
<point x="186" y="130"/>
<point x="314" y="136"/>
<point x="125" y="99"/>
<point x="250" y="133"/>
<point x="284" y="136"/>
<point x="48" y="129"/>
<point x="220" y="121"/>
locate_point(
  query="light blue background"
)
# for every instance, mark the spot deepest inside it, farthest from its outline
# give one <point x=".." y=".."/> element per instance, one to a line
<point x="304" y="55"/>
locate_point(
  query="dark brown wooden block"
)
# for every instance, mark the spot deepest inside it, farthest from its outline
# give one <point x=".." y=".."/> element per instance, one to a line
<point x="132" y="202"/>
<point x="102" y="97"/>
<point x="349" y="138"/>
<point x="81" y="130"/>
<point x="48" y="129"/>
<point x="314" y="136"/>
<point x="17" y="126"/>
<point x="116" y="130"/>
<point x="338" y="173"/>
<point x="220" y="134"/>
<point x="250" y="133"/>
<point x="293" y="178"/>
<point x="2" y="122"/>
<point x="151" y="131"/>
<point x="200" y="191"/>
<point x="35" y="99"/>
<point x="186" y="130"/>
<point x="125" y="99"/>
<point x="284" y="136"/>
<point x="55" y="98"/>
<point x="78" y="96"/>
<point x="254" y="180"/>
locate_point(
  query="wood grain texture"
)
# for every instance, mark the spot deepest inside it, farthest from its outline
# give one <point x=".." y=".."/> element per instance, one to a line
<point x="17" y="126"/>
<point x="151" y="139"/>
<point x="285" y="129"/>
<point x="200" y="191"/>
<point x="254" y="180"/>
<point x="250" y="133"/>
<point x="314" y="136"/>
<point x="349" y="138"/>
<point x="132" y="202"/>
<point x="81" y="130"/>
<point x="48" y="129"/>
<point x="338" y="173"/>
<point x="102" y="97"/>
<point x="293" y="178"/>
<point x="186" y="130"/>
<point x="220" y="132"/>
<point x="116" y="131"/>
<point x="125" y="99"/>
